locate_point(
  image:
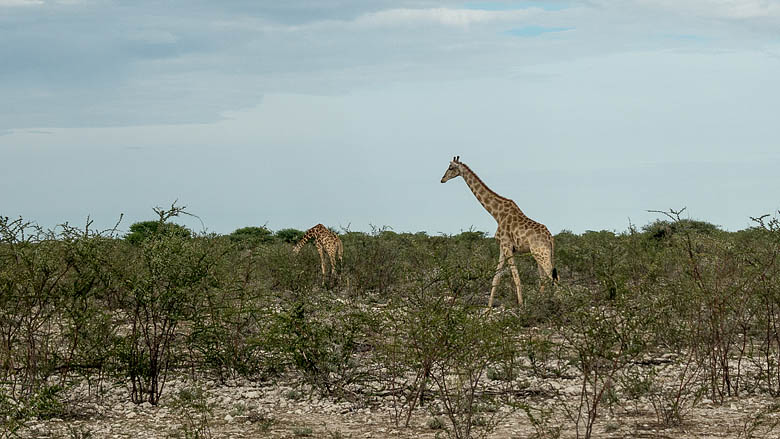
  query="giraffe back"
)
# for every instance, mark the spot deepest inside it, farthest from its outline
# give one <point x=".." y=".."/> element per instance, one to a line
<point x="324" y="237"/>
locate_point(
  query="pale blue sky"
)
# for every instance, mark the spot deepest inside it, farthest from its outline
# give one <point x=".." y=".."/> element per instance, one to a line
<point x="346" y="112"/>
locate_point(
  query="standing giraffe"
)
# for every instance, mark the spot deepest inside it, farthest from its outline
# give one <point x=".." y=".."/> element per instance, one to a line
<point x="516" y="232"/>
<point x="326" y="239"/>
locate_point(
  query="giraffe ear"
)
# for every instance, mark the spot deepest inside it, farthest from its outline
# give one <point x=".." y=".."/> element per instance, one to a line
<point x="457" y="159"/>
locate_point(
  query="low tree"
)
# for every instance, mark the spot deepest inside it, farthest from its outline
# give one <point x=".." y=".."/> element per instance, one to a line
<point x="289" y="235"/>
<point x="255" y="235"/>
<point x="661" y="229"/>
<point x="142" y="230"/>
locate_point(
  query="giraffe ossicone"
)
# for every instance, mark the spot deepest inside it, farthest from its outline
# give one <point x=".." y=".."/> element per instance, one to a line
<point x="516" y="232"/>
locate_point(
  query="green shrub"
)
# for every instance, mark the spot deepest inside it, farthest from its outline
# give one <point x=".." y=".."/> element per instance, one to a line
<point x="143" y="230"/>
<point x="698" y="306"/>
<point x="320" y="340"/>
<point x="289" y="235"/>
<point x="471" y="235"/>
<point x="192" y="404"/>
<point x="47" y="402"/>
<point x="167" y="279"/>
<point x="252" y="235"/>
<point x="664" y="229"/>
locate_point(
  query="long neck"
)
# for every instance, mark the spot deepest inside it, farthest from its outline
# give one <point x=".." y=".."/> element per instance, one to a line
<point x="492" y="202"/>
<point x="311" y="233"/>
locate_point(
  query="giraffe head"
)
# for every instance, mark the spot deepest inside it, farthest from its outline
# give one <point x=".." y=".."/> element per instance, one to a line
<point x="453" y="171"/>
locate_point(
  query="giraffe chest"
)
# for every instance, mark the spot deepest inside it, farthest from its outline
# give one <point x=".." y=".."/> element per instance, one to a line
<point x="519" y="239"/>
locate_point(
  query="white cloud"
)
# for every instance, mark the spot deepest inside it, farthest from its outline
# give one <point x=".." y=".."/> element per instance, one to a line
<point x="148" y="61"/>
<point x="397" y="18"/>
<point x="723" y="9"/>
<point x="15" y="3"/>
<point x="20" y="3"/>
<point x="441" y="16"/>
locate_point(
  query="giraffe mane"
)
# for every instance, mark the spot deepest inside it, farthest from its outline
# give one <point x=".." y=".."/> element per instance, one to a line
<point x="483" y="183"/>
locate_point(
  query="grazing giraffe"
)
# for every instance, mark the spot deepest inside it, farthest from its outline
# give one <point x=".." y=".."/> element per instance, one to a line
<point x="326" y="239"/>
<point x="516" y="232"/>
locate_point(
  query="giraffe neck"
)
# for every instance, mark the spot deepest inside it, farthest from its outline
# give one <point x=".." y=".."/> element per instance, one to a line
<point x="311" y="233"/>
<point x="492" y="202"/>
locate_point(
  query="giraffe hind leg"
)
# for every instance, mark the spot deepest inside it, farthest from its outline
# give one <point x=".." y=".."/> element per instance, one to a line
<point x="544" y="265"/>
<point x="322" y="262"/>
<point x="332" y="255"/>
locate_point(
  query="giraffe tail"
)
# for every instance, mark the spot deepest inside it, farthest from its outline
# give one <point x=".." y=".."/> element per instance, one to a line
<point x="552" y="253"/>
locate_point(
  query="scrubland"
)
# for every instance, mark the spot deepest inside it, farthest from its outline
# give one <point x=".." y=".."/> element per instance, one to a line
<point x="666" y="330"/>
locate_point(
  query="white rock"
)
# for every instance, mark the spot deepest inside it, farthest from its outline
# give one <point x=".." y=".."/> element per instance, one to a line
<point x="228" y="418"/>
<point x="573" y="390"/>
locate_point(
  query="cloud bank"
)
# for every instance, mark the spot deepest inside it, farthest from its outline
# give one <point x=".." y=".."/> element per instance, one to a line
<point x="108" y="63"/>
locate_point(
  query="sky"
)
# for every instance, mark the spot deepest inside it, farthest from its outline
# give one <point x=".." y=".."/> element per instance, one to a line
<point x="588" y="114"/>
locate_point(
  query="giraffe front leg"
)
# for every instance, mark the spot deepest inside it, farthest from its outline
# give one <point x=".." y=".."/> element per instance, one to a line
<point x="516" y="277"/>
<point x="496" y="277"/>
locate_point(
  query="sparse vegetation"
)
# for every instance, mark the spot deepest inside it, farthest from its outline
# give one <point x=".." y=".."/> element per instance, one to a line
<point x="666" y="315"/>
<point x="193" y="405"/>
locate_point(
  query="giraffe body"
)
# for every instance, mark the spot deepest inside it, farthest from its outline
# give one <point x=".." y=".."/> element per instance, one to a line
<point x="326" y="242"/>
<point x="516" y="232"/>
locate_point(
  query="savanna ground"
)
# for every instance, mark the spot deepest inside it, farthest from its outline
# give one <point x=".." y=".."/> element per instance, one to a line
<point x="669" y="330"/>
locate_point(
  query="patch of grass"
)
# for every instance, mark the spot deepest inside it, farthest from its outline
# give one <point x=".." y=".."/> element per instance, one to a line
<point x="263" y="420"/>
<point x="191" y="403"/>
<point x="303" y="432"/>
<point x="435" y="423"/>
